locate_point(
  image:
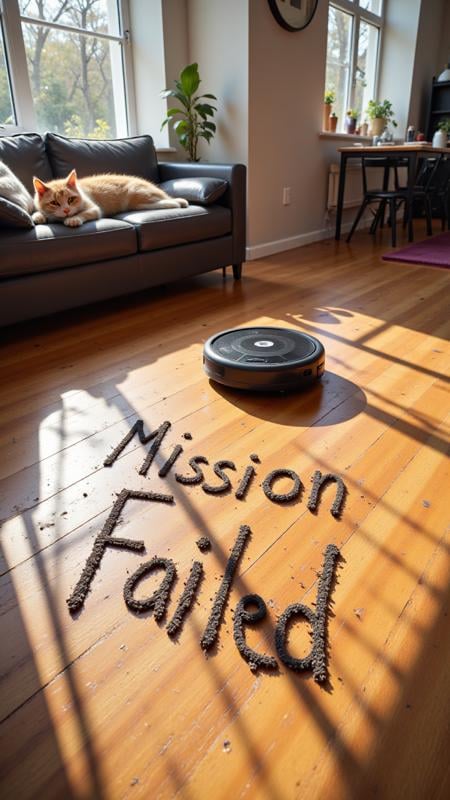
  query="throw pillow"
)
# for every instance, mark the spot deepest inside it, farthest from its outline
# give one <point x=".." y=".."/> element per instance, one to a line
<point x="25" y="155"/>
<point x="133" y="156"/>
<point x="200" y="191"/>
<point x="12" y="216"/>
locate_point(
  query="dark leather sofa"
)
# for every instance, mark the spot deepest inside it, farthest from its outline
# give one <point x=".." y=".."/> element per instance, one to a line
<point x="49" y="268"/>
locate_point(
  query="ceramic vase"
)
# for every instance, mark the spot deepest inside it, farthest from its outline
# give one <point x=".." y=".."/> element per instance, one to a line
<point x="440" y="139"/>
<point x="350" y="124"/>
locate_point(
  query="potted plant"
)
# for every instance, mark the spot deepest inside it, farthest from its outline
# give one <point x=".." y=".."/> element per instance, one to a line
<point x="328" y="100"/>
<point x="440" y="138"/>
<point x="333" y="122"/>
<point x="194" y="119"/>
<point x="350" y="120"/>
<point x="379" y="115"/>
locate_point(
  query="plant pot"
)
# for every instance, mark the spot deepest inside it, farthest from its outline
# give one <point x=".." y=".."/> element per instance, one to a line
<point x="327" y="109"/>
<point x="333" y="121"/>
<point x="377" y="126"/>
<point x="440" y="139"/>
<point x="350" y="125"/>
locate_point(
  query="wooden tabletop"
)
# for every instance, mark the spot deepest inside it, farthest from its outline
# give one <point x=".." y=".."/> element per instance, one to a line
<point x="421" y="147"/>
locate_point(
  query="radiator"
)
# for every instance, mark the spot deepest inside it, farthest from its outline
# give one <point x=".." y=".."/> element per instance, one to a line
<point x="353" y="186"/>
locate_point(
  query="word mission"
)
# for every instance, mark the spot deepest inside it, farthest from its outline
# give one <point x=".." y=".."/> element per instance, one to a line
<point x="251" y="608"/>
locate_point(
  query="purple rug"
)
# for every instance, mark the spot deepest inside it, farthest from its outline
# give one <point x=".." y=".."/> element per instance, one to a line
<point x="434" y="251"/>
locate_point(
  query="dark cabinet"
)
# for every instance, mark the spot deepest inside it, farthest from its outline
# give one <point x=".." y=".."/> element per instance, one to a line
<point x="439" y="106"/>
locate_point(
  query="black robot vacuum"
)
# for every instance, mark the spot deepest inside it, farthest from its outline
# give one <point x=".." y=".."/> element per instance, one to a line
<point x="264" y="359"/>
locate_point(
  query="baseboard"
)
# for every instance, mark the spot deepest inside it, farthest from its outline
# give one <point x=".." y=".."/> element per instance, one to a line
<point x="270" y="248"/>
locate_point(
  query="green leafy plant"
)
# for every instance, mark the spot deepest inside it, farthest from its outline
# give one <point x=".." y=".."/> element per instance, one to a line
<point x="444" y="125"/>
<point x="194" y="119"/>
<point x="353" y="113"/>
<point x="384" y="110"/>
<point x="329" y="97"/>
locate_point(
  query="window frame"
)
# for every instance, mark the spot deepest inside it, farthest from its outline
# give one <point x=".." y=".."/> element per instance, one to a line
<point x="359" y="14"/>
<point x="11" y="22"/>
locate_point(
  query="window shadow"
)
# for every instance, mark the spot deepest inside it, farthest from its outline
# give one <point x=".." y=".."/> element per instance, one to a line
<point x="19" y="761"/>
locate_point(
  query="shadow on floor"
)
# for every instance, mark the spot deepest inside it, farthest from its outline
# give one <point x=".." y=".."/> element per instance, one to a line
<point x="306" y="408"/>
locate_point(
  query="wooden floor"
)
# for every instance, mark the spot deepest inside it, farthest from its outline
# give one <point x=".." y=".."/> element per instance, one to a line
<point x="104" y="704"/>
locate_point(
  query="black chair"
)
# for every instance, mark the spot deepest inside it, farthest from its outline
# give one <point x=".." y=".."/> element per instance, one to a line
<point x="429" y="183"/>
<point x="440" y="192"/>
<point x="427" y="187"/>
<point x="384" y="197"/>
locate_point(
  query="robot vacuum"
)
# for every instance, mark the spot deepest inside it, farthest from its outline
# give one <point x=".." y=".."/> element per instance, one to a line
<point x="264" y="359"/>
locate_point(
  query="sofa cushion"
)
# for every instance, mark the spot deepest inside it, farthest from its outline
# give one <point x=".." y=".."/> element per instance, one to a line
<point x="201" y="191"/>
<point x="56" y="246"/>
<point x="13" y="216"/>
<point x="134" y="156"/>
<point x="25" y="155"/>
<point x="174" y="226"/>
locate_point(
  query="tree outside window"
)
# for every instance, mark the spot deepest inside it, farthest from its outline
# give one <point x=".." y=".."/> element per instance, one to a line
<point x="74" y="63"/>
<point x="7" y="115"/>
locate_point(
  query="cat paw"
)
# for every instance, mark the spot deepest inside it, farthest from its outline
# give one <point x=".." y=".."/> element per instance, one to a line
<point x="73" y="222"/>
<point x="182" y="203"/>
<point x="38" y="218"/>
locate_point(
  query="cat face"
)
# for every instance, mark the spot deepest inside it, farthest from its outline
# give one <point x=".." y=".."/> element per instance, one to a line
<point x="60" y="198"/>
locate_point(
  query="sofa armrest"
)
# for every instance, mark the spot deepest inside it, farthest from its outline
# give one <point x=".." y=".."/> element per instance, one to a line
<point x="234" y="198"/>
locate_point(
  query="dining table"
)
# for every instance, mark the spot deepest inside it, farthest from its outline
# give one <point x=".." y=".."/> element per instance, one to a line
<point x="409" y="152"/>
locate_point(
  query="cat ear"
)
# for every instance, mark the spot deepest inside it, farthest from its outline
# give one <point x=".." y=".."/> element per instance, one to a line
<point x="72" y="179"/>
<point x="40" y="186"/>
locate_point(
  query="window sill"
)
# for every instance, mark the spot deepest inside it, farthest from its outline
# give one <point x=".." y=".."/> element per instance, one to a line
<point x="349" y="137"/>
<point x="166" y="149"/>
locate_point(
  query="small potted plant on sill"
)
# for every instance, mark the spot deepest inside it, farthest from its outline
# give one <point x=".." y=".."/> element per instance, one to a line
<point x="440" y="138"/>
<point x="328" y="100"/>
<point x="379" y="115"/>
<point x="350" y="121"/>
<point x="333" y="121"/>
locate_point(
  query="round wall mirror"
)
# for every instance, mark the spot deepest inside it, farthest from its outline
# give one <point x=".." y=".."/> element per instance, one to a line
<point x="293" y="15"/>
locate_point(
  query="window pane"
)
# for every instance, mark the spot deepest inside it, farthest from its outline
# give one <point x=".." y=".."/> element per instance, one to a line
<point x="338" y="59"/>
<point x="366" y="65"/>
<point x="76" y="82"/>
<point x="7" y="116"/>
<point x="375" y="6"/>
<point x="100" y="16"/>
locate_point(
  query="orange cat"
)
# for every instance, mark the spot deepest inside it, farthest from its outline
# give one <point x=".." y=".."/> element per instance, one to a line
<point x="74" y="201"/>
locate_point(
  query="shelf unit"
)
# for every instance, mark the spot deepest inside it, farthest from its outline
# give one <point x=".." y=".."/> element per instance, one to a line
<point x="439" y="105"/>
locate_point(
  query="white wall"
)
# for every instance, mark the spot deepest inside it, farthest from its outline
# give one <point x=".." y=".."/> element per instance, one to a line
<point x="218" y="33"/>
<point x="175" y="34"/>
<point x="149" y="67"/>
<point x="427" y="59"/>
<point x="286" y="82"/>
<point x="444" y="46"/>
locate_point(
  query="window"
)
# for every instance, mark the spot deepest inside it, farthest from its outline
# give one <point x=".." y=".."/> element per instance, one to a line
<point x="7" y="114"/>
<point x="69" y="63"/>
<point x="354" y="38"/>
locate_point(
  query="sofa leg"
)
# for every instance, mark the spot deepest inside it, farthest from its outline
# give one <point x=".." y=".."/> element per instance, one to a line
<point x="224" y="272"/>
<point x="237" y="271"/>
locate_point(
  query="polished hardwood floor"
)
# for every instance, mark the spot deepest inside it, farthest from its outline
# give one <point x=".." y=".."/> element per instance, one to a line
<point x="103" y="704"/>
